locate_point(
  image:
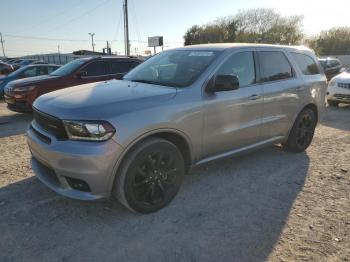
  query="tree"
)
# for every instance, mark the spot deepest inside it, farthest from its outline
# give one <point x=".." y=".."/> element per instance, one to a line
<point x="253" y="25"/>
<point x="335" y="41"/>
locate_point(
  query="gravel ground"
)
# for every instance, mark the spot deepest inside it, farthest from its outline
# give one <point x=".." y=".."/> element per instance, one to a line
<point x="265" y="206"/>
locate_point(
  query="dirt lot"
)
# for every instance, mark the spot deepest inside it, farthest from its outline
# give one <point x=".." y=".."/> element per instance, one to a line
<point x="269" y="205"/>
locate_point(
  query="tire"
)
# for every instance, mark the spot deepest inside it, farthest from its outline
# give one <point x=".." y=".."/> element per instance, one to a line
<point x="150" y="176"/>
<point x="332" y="103"/>
<point x="302" y="132"/>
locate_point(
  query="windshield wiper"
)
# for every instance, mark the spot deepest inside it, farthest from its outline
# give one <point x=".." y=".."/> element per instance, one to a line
<point x="154" y="82"/>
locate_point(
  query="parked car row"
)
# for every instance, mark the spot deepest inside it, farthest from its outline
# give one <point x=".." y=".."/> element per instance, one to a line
<point x="5" y="68"/>
<point x="136" y="138"/>
<point x="14" y="64"/>
<point x="20" y="94"/>
<point x="25" y="72"/>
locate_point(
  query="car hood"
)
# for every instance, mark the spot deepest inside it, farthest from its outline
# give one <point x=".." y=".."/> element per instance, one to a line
<point x="102" y="100"/>
<point x="33" y="80"/>
<point x="343" y="77"/>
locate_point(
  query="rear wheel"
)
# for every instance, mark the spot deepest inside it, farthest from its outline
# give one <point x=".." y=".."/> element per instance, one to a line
<point x="302" y="132"/>
<point x="150" y="176"/>
<point x="332" y="103"/>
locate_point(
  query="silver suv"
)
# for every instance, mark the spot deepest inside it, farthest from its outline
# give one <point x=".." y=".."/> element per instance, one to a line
<point x="136" y="138"/>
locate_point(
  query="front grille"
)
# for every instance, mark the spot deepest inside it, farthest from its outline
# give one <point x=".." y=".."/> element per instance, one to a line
<point x="344" y="85"/>
<point x="342" y="96"/>
<point x="50" y="124"/>
<point x="8" y="90"/>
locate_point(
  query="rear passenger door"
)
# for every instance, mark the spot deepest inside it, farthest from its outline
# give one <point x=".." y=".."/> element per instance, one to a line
<point x="279" y="82"/>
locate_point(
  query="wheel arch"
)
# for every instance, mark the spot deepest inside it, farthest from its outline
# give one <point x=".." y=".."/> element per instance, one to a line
<point x="174" y="136"/>
<point x="311" y="106"/>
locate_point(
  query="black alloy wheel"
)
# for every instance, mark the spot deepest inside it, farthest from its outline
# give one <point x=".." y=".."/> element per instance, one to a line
<point x="151" y="176"/>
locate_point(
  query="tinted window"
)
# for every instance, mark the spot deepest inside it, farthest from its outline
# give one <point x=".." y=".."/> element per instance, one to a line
<point x="42" y="70"/>
<point x="97" y="68"/>
<point x="119" y="66"/>
<point x="333" y="63"/>
<point x="240" y="65"/>
<point x="306" y="64"/>
<point x="274" y="66"/>
<point x="68" y="68"/>
<point x="29" y="72"/>
<point x="50" y="69"/>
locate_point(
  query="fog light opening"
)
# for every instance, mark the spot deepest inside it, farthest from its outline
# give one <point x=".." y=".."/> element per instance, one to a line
<point x="78" y="184"/>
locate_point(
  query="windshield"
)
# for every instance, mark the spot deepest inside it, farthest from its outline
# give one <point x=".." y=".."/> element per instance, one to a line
<point x="67" y="68"/>
<point x="177" y="68"/>
<point x="18" y="71"/>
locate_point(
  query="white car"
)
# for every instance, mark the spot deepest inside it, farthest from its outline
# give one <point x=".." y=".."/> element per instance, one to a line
<point x="339" y="89"/>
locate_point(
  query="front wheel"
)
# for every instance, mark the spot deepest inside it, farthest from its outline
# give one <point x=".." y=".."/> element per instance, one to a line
<point x="150" y="176"/>
<point x="302" y="132"/>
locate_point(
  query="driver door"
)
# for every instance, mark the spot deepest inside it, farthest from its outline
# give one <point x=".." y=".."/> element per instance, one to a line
<point x="233" y="119"/>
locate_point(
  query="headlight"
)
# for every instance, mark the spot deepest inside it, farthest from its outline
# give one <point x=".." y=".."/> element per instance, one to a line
<point x="89" y="130"/>
<point x="23" y="89"/>
<point x="332" y="83"/>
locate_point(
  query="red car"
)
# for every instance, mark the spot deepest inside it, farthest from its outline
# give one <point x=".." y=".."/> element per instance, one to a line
<point x="20" y="94"/>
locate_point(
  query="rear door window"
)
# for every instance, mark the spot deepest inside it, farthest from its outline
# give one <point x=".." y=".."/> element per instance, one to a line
<point x="306" y="64"/>
<point x="50" y="69"/>
<point x="274" y="66"/>
<point x="42" y="70"/>
<point x="30" y="72"/>
<point x="97" y="68"/>
<point x="121" y="66"/>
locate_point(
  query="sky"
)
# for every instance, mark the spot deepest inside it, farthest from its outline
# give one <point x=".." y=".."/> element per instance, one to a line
<point x="44" y="26"/>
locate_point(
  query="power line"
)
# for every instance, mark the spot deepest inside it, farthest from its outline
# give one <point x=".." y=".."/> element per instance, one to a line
<point x="136" y="24"/>
<point x="73" y="40"/>
<point x="78" y="17"/>
<point x="54" y="16"/>
<point x="45" y="38"/>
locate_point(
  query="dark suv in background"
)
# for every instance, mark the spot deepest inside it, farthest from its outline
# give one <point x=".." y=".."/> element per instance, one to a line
<point x="20" y="94"/>
<point x="331" y="67"/>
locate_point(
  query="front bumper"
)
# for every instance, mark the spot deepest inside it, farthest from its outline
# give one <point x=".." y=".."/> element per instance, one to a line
<point x="338" y="94"/>
<point x="17" y="105"/>
<point x="56" y="163"/>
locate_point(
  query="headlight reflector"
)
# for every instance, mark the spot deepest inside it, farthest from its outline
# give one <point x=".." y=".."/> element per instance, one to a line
<point x="89" y="130"/>
<point x="23" y="88"/>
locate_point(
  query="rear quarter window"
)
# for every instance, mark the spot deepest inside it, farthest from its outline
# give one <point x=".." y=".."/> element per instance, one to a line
<point x="307" y="64"/>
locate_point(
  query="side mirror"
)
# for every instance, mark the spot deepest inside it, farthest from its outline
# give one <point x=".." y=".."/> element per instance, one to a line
<point x="223" y="83"/>
<point x="81" y="74"/>
<point x="342" y="70"/>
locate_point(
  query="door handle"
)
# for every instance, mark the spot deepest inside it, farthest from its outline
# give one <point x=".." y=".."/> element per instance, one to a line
<point x="300" y="88"/>
<point x="254" y="97"/>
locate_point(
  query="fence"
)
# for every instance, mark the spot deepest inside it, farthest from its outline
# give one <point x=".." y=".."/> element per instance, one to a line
<point x="59" y="59"/>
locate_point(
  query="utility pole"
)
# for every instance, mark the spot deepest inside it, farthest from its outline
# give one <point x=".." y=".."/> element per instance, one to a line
<point x="126" y="28"/>
<point x="59" y="54"/>
<point x="92" y="41"/>
<point x="2" y="44"/>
